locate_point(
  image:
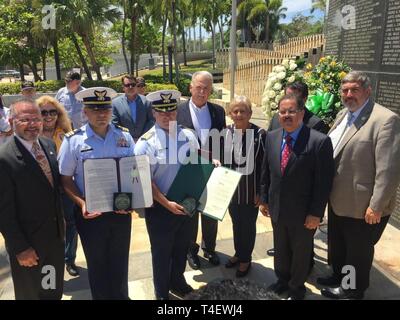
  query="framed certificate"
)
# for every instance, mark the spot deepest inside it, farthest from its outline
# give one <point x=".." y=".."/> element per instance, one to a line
<point x="117" y="183"/>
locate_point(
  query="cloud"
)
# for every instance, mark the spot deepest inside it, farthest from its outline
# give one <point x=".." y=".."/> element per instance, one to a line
<point x="295" y="6"/>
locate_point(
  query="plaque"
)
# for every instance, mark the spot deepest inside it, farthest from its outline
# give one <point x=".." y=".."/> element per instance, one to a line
<point x="122" y="201"/>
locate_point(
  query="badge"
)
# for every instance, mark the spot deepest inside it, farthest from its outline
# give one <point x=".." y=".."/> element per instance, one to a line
<point x="122" y="201"/>
<point x="122" y="142"/>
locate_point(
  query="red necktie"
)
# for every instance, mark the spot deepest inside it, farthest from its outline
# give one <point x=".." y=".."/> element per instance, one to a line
<point x="287" y="150"/>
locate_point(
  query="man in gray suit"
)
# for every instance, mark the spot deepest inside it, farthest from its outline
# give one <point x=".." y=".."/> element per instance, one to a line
<point x="129" y="110"/>
<point x="366" y="141"/>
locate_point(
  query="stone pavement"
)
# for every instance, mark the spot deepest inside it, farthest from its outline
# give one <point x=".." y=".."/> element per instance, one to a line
<point x="385" y="275"/>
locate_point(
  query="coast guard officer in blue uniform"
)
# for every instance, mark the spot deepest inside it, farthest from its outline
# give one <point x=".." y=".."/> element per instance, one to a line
<point x="168" y="146"/>
<point x="105" y="236"/>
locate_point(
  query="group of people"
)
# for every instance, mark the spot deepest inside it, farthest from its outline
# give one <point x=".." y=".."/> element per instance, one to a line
<point x="290" y="173"/>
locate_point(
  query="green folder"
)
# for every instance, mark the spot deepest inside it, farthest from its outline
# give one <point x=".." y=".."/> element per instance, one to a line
<point x="190" y="181"/>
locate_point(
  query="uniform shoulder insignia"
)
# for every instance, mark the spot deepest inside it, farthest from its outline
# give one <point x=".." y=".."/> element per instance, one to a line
<point x="72" y="132"/>
<point x="147" y="135"/>
<point x="188" y="129"/>
<point x="122" y="128"/>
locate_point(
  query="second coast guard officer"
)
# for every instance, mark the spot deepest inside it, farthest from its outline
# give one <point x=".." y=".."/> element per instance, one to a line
<point x="105" y="236"/>
<point x="168" y="146"/>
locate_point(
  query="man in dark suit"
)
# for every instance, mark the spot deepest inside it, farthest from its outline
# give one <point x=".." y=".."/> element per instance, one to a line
<point x="130" y="112"/>
<point x="309" y="119"/>
<point x="31" y="218"/>
<point x="296" y="179"/>
<point x="207" y="119"/>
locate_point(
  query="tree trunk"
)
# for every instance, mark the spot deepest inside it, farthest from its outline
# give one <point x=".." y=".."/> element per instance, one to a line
<point x="194" y="38"/>
<point x="81" y="57"/>
<point x="200" y="40"/>
<point x="22" y="72"/>
<point x="44" y="66"/>
<point x="213" y="43"/>
<point x="189" y="45"/>
<point x="137" y="65"/>
<point x="175" y="43"/>
<point x="133" y="41"/>
<point x="89" y="50"/>
<point x="35" y="71"/>
<point x="266" y="31"/>
<point x="221" y="34"/>
<point x="56" y="56"/>
<point x="184" y="47"/>
<point x="123" y="39"/>
<point x="164" y="30"/>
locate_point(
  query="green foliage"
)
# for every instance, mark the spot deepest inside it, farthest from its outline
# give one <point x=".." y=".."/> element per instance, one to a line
<point x="54" y="86"/>
<point x="301" y="26"/>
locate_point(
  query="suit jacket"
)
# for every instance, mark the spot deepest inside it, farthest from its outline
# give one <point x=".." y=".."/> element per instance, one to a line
<point x="304" y="187"/>
<point x="367" y="170"/>
<point x="218" y="121"/>
<point x="30" y="208"/>
<point x="122" y="116"/>
<point x="310" y="120"/>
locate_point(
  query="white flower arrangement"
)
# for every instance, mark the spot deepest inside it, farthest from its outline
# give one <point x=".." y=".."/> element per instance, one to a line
<point x="280" y="76"/>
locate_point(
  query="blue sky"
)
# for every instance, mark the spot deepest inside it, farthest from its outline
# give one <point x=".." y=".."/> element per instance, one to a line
<point x="298" y="6"/>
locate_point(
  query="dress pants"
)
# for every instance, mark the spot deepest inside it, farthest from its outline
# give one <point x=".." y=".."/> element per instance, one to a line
<point x="71" y="235"/>
<point x="352" y="243"/>
<point x="169" y="238"/>
<point x="293" y="248"/>
<point x="28" y="281"/>
<point x="105" y="241"/>
<point x="244" y="217"/>
<point x="209" y="228"/>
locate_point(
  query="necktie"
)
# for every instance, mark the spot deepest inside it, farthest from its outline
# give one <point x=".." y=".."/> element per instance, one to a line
<point x="42" y="161"/>
<point x="287" y="150"/>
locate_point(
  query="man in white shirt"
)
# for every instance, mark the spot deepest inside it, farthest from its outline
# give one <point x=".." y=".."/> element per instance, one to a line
<point x="204" y="117"/>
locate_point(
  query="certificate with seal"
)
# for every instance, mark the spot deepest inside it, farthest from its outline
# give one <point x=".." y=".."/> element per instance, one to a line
<point x="210" y="189"/>
<point x="117" y="183"/>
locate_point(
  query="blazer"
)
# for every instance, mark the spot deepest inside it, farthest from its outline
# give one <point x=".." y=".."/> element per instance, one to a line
<point x="367" y="170"/>
<point x="304" y="187"/>
<point x="218" y="121"/>
<point x="310" y="120"/>
<point x="122" y="116"/>
<point x="30" y="208"/>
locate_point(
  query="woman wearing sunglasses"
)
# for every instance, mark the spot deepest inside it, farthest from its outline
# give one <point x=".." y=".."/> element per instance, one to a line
<point x="55" y="119"/>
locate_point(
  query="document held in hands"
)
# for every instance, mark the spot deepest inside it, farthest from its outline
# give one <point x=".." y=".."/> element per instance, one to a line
<point x="211" y="188"/>
<point x="105" y="178"/>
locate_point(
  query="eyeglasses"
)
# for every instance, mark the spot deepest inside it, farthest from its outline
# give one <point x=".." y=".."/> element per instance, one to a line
<point x="140" y="85"/>
<point x="26" y="120"/>
<point x="129" y="85"/>
<point x="51" y="113"/>
<point x="290" y="112"/>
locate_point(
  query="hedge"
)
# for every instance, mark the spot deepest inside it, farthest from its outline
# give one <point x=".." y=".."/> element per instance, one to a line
<point x="55" y="85"/>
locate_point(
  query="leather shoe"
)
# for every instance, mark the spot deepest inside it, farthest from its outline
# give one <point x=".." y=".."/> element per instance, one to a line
<point x="331" y="281"/>
<point x="278" y="287"/>
<point x="240" y="274"/>
<point x="194" y="261"/>
<point x="271" y="252"/>
<point x="230" y="264"/>
<point x="182" y="291"/>
<point x="72" y="270"/>
<point x="297" y="294"/>
<point x="212" y="257"/>
<point x="340" y="293"/>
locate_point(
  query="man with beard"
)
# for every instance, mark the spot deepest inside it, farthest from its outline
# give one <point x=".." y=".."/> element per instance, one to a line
<point x="296" y="179"/>
<point x="366" y="141"/>
<point x="31" y="217"/>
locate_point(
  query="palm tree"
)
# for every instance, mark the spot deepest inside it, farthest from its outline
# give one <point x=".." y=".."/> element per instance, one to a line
<point x="319" y="5"/>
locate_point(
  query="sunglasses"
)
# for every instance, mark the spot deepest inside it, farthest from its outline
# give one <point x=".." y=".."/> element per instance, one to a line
<point x="51" y="113"/>
<point x="140" y="85"/>
<point x="130" y="85"/>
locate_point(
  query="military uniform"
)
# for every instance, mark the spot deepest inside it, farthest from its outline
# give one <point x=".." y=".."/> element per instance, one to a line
<point x="169" y="233"/>
<point x="106" y="238"/>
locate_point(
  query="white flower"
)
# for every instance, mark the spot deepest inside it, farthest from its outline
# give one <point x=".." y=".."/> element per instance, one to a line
<point x="285" y="63"/>
<point x="277" y="86"/>
<point x="278" y="98"/>
<point x="271" y="75"/>
<point x="271" y="94"/>
<point x="281" y="75"/>
<point x="293" y="66"/>
<point x="275" y="69"/>
<point x="291" y="79"/>
<point x="273" y="105"/>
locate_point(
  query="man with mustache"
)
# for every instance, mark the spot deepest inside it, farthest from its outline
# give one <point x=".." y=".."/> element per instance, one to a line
<point x="296" y="179"/>
<point x="366" y="141"/>
<point x="31" y="216"/>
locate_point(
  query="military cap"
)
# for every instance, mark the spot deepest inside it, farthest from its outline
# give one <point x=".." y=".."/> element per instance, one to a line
<point x="164" y="100"/>
<point x="96" y="97"/>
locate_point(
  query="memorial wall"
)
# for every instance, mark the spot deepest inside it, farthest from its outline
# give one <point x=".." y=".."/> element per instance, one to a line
<point x="366" y="34"/>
